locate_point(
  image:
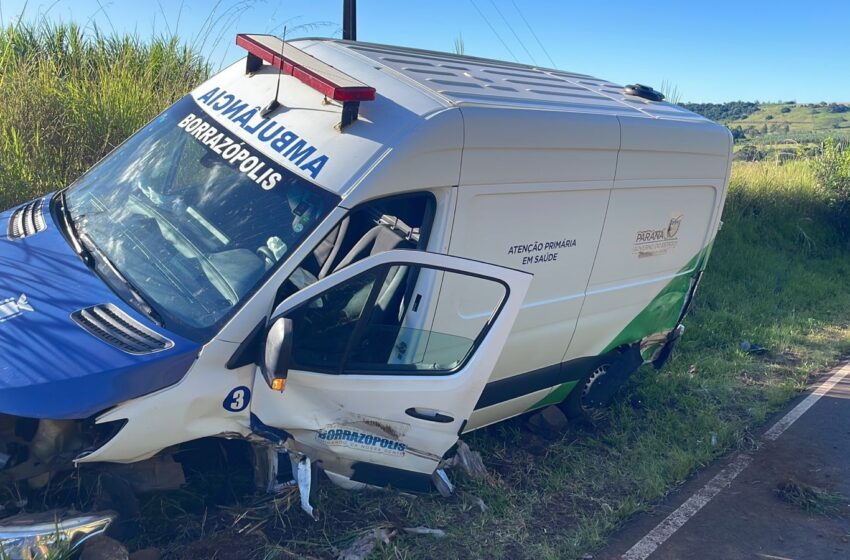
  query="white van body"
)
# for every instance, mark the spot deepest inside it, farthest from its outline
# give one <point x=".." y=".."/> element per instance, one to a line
<point x="565" y="226"/>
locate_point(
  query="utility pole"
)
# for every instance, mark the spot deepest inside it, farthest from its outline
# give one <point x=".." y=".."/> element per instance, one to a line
<point x="349" y="20"/>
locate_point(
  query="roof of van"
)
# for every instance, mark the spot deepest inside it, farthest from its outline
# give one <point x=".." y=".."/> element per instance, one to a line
<point x="440" y="119"/>
<point x="459" y="80"/>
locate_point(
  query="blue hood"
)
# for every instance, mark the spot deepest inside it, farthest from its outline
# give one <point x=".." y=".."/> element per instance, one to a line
<point x="49" y="366"/>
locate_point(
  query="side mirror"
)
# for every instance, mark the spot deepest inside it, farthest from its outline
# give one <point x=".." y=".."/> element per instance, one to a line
<point x="277" y="353"/>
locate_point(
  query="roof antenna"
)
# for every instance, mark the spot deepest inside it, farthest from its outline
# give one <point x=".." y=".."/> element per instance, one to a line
<point x="275" y="104"/>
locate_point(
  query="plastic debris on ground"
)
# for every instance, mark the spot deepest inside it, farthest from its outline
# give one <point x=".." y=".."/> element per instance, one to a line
<point x="751" y="348"/>
<point x="304" y="478"/>
<point x="361" y="548"/>
<point x="467" y="460"/>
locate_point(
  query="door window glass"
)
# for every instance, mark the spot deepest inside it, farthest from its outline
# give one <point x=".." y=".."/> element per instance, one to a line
<point x="389" y="320"/>
<point x="322" y="328"/>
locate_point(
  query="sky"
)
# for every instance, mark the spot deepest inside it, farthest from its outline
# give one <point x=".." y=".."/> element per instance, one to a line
<point x="722" y="50"/>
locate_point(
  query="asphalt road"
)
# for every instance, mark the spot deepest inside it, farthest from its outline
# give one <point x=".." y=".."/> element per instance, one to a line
<point x="733" y="511"/>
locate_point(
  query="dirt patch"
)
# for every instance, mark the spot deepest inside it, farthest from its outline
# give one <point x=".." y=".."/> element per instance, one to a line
<point x="223" y="546"/>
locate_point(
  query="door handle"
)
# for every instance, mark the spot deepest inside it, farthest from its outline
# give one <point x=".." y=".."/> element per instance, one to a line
<point x="429" y="415"/>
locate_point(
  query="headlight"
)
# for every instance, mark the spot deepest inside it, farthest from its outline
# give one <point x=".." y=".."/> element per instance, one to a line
<point x="34" y="536"/>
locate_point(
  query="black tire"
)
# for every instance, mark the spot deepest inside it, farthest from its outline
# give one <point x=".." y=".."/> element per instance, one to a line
<point x="576" y="405"/>
<point x="609" y="373"/>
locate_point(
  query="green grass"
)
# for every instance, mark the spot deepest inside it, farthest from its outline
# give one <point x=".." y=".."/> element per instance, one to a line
<point x="69" y="97"/>
<point x="777" y="277"/>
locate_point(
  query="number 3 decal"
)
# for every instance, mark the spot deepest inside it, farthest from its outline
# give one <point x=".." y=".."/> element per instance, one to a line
<point x="237" y="399"/>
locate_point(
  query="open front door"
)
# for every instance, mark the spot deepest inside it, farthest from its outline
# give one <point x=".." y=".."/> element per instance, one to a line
<point x="375" y="389"/>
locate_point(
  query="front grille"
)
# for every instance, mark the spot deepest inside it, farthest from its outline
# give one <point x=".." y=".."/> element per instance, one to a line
<point x="27" y="220"/>
<point x="118" y="329"/>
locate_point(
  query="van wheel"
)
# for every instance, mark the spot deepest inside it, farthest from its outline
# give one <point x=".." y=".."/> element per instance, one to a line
<point x="581" y="402"/>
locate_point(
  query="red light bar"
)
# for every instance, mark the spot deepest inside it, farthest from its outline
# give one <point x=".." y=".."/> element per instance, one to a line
<point x="318" y="75"/>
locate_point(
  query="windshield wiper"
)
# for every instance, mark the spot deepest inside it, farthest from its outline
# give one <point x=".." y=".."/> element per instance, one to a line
<point x="72" y="233"/>
<point x="91" y="255"/>
<point x="94" y="252"/>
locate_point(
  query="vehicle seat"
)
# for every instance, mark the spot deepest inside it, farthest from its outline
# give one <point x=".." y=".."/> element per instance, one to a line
<point x="326" y="252"/>
<point x="240" y="268"/>
<point x="379" y="239"/>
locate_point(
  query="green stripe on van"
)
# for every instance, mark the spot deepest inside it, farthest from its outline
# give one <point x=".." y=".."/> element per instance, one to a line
<point x="557" y="395"/>
<point x="660" y="315"/>
<point x="662" y="312"/>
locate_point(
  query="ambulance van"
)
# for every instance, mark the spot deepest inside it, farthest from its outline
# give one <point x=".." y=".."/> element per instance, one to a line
<point x="351" y="254"/>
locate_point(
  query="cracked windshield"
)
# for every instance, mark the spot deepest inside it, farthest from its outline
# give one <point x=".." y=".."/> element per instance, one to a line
<point x="192" y="230"/>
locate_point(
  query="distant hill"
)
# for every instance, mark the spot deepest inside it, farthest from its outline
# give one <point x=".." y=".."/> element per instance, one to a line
<point x="769" y="123"/>
<point x="724" y="112"/>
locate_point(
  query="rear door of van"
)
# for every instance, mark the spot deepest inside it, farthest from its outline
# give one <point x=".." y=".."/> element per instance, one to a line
<point x="664" y="212"/>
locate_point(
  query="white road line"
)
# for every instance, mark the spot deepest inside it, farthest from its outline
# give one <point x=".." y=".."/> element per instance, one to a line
<point x="776" y="430"/>
<point x="673" y="522"/>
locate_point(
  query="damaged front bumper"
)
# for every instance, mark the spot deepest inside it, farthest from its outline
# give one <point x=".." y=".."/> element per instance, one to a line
<point x="31" y="536"/>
